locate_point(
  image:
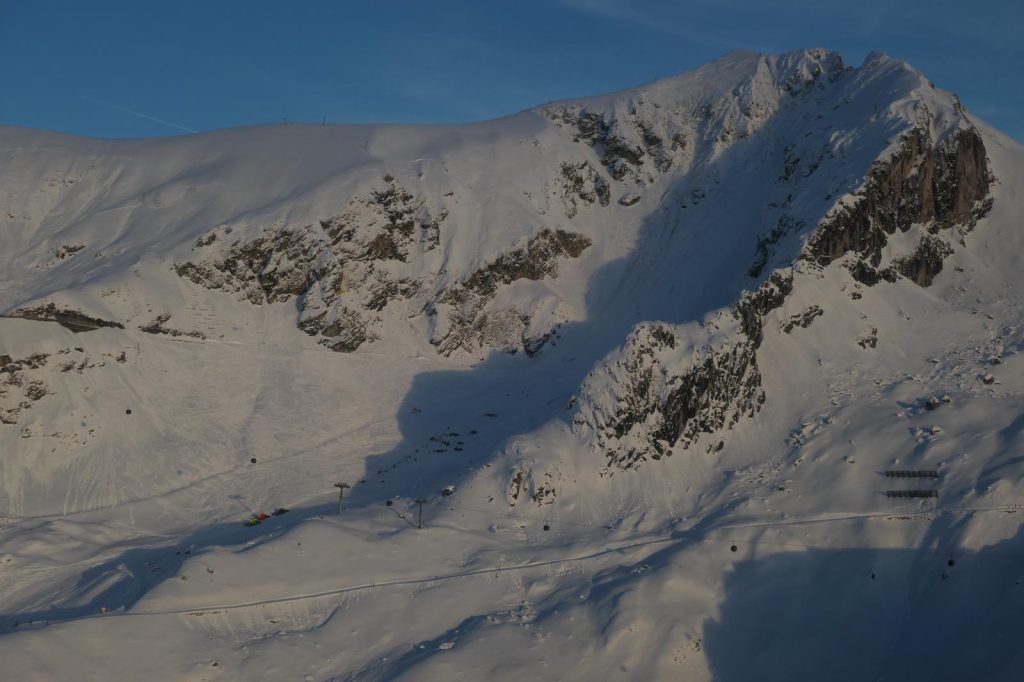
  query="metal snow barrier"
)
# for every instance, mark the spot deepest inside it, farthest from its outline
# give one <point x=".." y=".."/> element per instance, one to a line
<point x="911" y="493"/>
<point x="910" y="473"/>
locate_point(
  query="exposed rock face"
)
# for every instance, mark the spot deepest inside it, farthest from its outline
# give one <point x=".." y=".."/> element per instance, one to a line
<point x="925" y="262"/>
<point x="18" y="390"/>
<point x="346" y="269"/>
<point x="65" y="251"/>
<point x="665" y="392"/>
<point x="803" y="319"/>
<point x="940" y="186"/>
<point x="583" y="183"/>
<point x="524" y="483"/>
<point x="652" y="136"/>
<point x="159" y="326"/>
<point x="765" y="249"/>
<point x="864" y="273"/>
<point x="345" y="333"/>
<point x="657" y="395"/>
<point x="342" y="270"/>
<point x="517" y="478"/>
<point x="626" y="148"/>
<point x="869" y="340"/>
<point x="652" y="397"/>
<point x="460" y="318"/>
<point x="23" y="381"/>
<point x="74" y="320"/>
<point x="753" y="307"/>
<point x="537" y="259"/>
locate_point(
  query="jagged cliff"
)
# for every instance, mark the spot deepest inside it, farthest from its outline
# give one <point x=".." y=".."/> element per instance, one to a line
<point x="937" y="184"/>
<point x="649" y="399"/>
<point x="668" y="386"/>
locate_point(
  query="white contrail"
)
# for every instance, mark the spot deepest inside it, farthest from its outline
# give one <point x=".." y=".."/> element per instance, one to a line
<point x="138" y="113"/>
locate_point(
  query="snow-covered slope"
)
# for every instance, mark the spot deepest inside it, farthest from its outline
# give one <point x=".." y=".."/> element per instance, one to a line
<point x="663" y="345"/>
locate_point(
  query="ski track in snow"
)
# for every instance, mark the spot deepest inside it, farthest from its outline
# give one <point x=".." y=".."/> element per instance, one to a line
<point x="676" y="537"/>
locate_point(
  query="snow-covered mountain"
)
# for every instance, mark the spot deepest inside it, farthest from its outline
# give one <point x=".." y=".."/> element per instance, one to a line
<point x="660" y="348"/>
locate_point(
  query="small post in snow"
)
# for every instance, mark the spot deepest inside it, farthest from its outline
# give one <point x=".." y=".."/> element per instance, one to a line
<point x="420" y="501"/>
<point x="341" y="493"/>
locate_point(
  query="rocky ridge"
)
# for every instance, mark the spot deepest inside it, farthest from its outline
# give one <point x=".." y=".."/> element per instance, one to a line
<point x="347" y="269"/>
<point x="668" y="386"/>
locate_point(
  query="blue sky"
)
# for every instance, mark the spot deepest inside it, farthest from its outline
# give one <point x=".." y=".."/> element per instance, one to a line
<point x="129" y="69"/>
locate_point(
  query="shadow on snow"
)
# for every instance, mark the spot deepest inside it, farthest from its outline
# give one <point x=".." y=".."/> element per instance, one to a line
<point x="867" y="614"/>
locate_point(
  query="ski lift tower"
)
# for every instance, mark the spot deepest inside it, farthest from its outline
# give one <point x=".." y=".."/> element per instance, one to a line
<point x="420" y="501"/>
<point x="341" y="492"/>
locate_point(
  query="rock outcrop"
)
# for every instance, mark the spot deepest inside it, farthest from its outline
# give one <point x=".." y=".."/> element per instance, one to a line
<point x="581" y="182"/>
<point x="18" y="388"/>
<point x="925" y="262"/>
<point x="650" y="136"/>
<point x="341" y="271"/>
<point x="938" y="185"/>
<point x="74" y="320"/>
<point x="629" y="149"/>
<point x="668" y="386"/>
<point x="802" y="320"/>
<point x="159" y="326"/>
<point x="345" y="270"/>
<point x="461" y="316"/>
